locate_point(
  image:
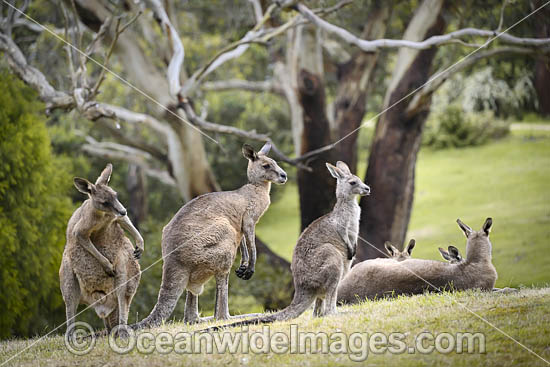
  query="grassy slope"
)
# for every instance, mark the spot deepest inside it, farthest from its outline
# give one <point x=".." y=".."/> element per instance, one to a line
<point x="525" y="316"/>
<point x="507" y="180"/>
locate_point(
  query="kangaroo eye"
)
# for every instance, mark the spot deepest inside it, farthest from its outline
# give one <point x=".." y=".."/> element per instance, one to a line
<point x="353" y="183"/>
<point x="266" y="166"/>
<point x="106" y="203"/>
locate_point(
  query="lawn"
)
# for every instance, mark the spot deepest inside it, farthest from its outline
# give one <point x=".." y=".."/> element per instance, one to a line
<point x="521" y="317"/>
<point x="507" y="180"/>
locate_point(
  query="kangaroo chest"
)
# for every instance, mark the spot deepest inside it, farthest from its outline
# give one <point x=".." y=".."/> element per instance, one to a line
<point x="348" y="215"/>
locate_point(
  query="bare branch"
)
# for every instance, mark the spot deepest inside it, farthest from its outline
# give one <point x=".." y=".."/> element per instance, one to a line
<point x="374" y="45"/>
<point x="22" y="22"/>
<point x="95" y="110"/>
<point x="257" y="10"/>
<point x="90" y="49"/>
<point x="501" y="21"/>
<point x="118" y="32"/>
<point x="174" y="67"/>
<point x="252" y="135"/>
<point x="422" y="97"/>
<point x="256" y="35"/>
<point x="252" y="86"/>
<point x="112" y="151"/>
<point x="133" y="141"/>
<point x="32" y="76"/>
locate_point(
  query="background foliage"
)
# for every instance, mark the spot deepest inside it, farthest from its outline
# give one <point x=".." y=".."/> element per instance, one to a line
<point x="34" y="209"/>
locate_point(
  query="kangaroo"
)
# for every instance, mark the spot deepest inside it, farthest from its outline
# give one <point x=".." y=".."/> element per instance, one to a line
<point x="99" y="265"/>
<point x="400" y="255"/>
<point x="323" y="253"/>
<point x="384" y="277"/>
<point x="453" y="256"/>
<point x="201" y="241"/>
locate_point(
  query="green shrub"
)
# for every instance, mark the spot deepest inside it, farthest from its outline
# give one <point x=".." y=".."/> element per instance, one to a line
<point x="454" y="128"/>
<point x="34" y="209"/>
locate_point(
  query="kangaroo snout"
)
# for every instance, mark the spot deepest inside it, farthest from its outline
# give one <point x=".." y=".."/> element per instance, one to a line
<point x="365" y="190"/>
<point x="282" y="177"/>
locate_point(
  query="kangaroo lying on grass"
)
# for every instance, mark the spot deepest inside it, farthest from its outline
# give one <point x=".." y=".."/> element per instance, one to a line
<point x="384" y="277"/>
<point x="453" y="256"/>
<point x="323" y="253"/>
<point x="400" y="255"/>
<point x="202" y="239"/>
<point x="99" y="265"/>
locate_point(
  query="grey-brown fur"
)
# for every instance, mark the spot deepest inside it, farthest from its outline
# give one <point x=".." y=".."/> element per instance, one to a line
<point x="384" y="277"/>
<point x="99" y="263"/>
<point x="397" y="255"/>
<point x="324" y="251"/>
<point x="202" y="239"/>
<point x="453" y="255"/>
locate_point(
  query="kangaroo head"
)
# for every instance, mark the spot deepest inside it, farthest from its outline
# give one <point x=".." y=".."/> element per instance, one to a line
<point x="400" y="255"/>
<point x="347" y="184"/>
<point x="102" y="196"/>
<point x="478" y="245"/>
<point x="453" y="256"/>
<point x="261" y="168"/>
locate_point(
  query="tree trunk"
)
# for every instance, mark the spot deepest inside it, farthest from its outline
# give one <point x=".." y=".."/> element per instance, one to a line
<point x="316" y="188"/>
<point x="391" y="165"/>
<point x="137" y="202"/>
<point x="311" y="130"/>
<point x="542" y="65"/>
<point x="355" y="76"/>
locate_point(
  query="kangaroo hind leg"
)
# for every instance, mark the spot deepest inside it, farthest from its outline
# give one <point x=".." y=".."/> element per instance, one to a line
<point x="70" y="290"/>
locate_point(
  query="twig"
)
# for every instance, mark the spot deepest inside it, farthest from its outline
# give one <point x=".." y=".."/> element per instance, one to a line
<point x="118" y="32"/>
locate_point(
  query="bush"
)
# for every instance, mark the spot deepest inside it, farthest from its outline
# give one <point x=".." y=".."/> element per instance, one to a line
<point x="34" y="209"/>
<point x="454" y="128"/>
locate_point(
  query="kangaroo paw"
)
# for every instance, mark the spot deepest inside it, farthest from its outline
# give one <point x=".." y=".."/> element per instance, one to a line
<point x="240" y="271"/>
<point x="137" y="253"/>
<point x="248" y="274"/>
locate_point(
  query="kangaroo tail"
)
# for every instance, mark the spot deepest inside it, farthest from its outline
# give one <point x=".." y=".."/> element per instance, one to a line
<point x="171" y="288"/>
<point x="298" y="306"/>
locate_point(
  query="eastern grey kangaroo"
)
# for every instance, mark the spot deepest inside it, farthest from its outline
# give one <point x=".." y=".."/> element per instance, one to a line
<point x="400" y="255"/>
<point x="323" y="253"/>
<point x="453" y="256"/>
<point x="382" y="277"/>
<point x="202" y="239"/>
<point x="99" y="265"/>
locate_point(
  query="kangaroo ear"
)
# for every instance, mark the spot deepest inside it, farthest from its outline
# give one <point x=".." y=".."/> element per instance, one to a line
<point x="487" y="225"/>
<point x="467" y="230"/>
<point x="105" y="176"/>
<point x="249" y="153"/>
<point x="453" y="252"/>
<point x="389" y="247"/>
<point x="83" y="185"/>
<point x="335" y="171"/>
<point x="265" y="149"/>
<point x="343" y="167"/>
<point x="410" y="246"/>
<point x="445" y="254"/>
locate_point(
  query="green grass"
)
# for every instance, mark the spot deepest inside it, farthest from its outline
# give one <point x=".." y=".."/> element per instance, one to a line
<point x="507" y="180"/>
<point x="523" y="316"/>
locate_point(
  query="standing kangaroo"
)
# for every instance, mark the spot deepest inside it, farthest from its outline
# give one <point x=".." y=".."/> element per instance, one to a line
<point x="323" y="253"/>
<point x="400" y="255"/>
<point x="99" y="265"/>
<point x="202" y="239"/>
<point x="383" y="277"/>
